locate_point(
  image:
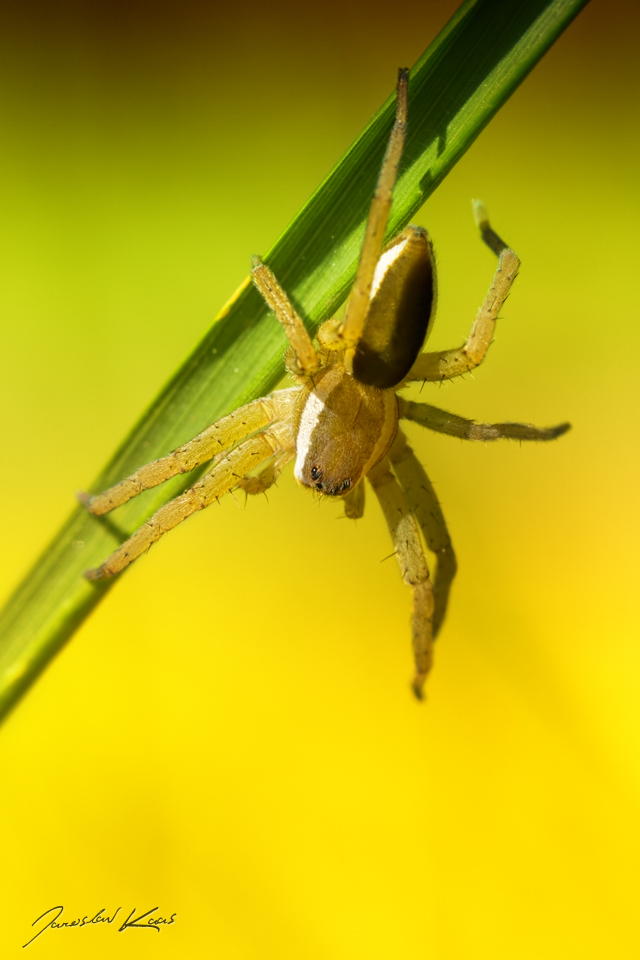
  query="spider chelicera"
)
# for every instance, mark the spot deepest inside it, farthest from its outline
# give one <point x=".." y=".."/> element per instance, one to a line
<point x="341" y="420"/>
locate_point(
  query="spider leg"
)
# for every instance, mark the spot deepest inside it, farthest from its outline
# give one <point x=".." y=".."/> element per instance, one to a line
<point x="214" y="440"/>
<point x="446" y="364"/>
<point x="267" y="477"/>
<point x="408" y="548"/>
<point x="424" y="505"/>
<point x="354" y="502"/>
<point x="226" y="474"/>
<point x="349" y="333"/>
<point x="278" y="301"/>
<point x="455" y="426"/>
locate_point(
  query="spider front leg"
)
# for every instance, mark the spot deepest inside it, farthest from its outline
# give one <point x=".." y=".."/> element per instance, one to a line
<point x="425" y="507"/>
<point x="214" y="440"/>
<point x="413" y="566"/>
<point x="446" y="364"/>
<point x="227" y="473"/>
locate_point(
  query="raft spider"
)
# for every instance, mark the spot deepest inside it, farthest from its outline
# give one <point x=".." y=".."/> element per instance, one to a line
<point x="340" y="421"/>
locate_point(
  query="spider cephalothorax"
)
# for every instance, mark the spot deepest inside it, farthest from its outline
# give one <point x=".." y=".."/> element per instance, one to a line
<point x="341" y="420"/>
<point x="342" y="428"/>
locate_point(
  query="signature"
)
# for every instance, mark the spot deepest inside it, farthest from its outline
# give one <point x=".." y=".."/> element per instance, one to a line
<point x="142" y="922"/>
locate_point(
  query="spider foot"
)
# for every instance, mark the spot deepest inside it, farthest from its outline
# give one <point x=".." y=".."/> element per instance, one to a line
<point x="103" y="572"/>
<point x="417" y="685"/>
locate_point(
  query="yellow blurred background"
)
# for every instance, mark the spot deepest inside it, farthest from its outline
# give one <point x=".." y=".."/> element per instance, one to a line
<point x="231" y="737"/>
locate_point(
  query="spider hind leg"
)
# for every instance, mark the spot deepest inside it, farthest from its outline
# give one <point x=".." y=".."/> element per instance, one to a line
<point x="304" y="360"/>
<point x="348" y="334"/>
<point x="446" y="364"/>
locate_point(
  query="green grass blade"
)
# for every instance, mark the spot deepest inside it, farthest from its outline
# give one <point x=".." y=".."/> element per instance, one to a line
<point x="459" y="83"/>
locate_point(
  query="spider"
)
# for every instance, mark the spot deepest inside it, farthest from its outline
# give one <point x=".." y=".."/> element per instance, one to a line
<point x="340" y="422"/>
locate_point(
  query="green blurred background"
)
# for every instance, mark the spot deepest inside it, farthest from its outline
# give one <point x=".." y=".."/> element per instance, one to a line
<point x="231" y="735"/>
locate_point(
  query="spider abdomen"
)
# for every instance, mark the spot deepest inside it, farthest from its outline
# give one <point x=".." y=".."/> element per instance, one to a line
<point x="342" y="428"/>
<point x="400" y="312"/>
